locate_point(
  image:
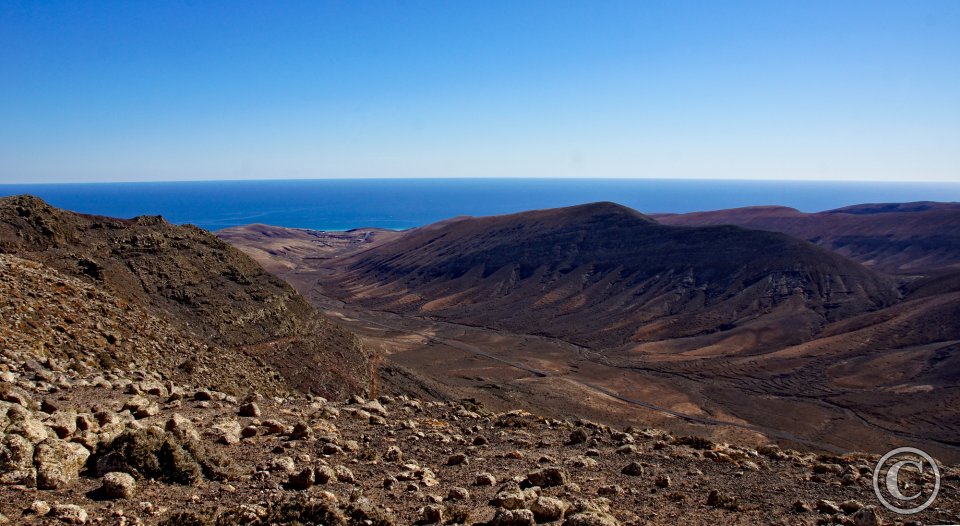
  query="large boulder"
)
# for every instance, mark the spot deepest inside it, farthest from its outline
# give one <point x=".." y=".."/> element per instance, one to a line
<point x="58" y="463"/>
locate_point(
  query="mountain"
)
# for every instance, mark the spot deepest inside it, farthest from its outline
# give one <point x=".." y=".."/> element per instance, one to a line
<point x="901" y="238"/>
<point x="603" y="275"/>
<point x="188" y="279"/>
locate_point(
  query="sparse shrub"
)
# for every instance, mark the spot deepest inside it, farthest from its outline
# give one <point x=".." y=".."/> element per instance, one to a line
<point x="457" y="514"/>
<point x="154" y="454"/>
<point x="516" y="421"/>
<point x="694" y="442"/>
<point x="364" y="512"/>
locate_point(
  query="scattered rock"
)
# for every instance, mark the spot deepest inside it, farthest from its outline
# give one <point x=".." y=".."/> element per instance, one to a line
<point x="547" y="477"/>
<point x="393" y="454"/>
<point x="485" y="479"/>
<point x="142" y="407"/>
<point x="68" y="513"/>
<point x="302" y="480"/>
<point x="118" y="485"/>
<point x="58" y="463"/>
<point x="39" y="508"/>
<point x="577" y="436"/>
<point x="458" y="493"/>
<point x="828" y="506"/>
<point x="226" y="431"/>
<point x="633" y="469"/>
<point x="867" y="516"/>
<point x="249" y="409"/>
<point x="458" y="459"/>
<point x="548" y="509"/>
<point x="344" y="474"/>
<point x="432" y="514"/>
<point x="591" y="518"/>
<point x="516" y="517"/>
<point x="717" y="499"/>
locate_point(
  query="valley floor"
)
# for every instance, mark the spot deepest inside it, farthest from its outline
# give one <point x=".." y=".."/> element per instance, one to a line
<point x="725" y="401"/>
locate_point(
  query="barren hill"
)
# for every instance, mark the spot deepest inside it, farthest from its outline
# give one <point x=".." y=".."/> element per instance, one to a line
<point x="891" y="237"/>
<point x="190" y="279"/>
<point x="602" y="275"/>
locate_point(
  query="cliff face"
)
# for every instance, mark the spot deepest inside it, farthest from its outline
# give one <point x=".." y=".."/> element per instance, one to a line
<point x="197" y="283"/>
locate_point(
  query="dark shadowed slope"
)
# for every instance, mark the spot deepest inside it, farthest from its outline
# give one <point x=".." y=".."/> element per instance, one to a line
<point x="891" y="237"/>
<point x="602" y="275"/>
<point x="195" y="281"/>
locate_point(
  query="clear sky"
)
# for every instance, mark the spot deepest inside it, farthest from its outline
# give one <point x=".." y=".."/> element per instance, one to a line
<point x="165" y="90"/>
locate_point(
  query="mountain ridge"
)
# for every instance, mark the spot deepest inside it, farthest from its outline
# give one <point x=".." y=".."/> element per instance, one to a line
<point x="194" y="280"/>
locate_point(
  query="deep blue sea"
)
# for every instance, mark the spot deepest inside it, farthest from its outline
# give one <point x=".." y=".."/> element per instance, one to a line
<point x="333" y="204"/>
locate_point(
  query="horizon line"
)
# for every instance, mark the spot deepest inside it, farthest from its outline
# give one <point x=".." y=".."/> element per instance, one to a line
<point x="486" y="178"/>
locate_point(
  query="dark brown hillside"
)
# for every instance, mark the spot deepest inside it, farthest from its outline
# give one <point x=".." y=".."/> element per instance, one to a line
<point x="196" y="282"/>
<point x="602" y="275"/>
<point x="891" y="237"/>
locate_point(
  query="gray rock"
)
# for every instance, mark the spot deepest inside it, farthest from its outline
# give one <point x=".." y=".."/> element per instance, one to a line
<point x="547" y="477"/>
<point x="282" y="464"/>
<point x="16" y="453"/>
<point x="226" y="431"/>
<point x="458" y="493"/>
<point x="63" y="423"/>
<point x="432" y="514"/>
<point x="828" y="506"/>
<point x="39" y="508"/>
<point x="867" y="516"/>
<point x="633" y="469"/>
<point x="69" y="513"/>
<point x="458" y="459"/>
<point x="513" y="518"/>
<point x="58" y="463"/>
<point x="591" y="518"/>
<point x="577" y="436"/>
<point x="324" y="474"/>
<point x="485" y="479"/>
<point x="375" y="408"/>
<point x="118" y="485"/>
<point x="548" y="509"/>
<point x="344" y="474"/>
<point x="141" y="406"/>
<point x="393" y="454"/>
<point x="250" y="409"/>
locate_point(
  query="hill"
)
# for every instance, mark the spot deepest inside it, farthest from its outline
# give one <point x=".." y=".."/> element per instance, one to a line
<point x="901" y="238"/>
<point x="602" y="275"/>
<point x="210" y="292"/>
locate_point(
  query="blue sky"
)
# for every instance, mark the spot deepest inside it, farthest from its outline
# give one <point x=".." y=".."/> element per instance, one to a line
<point x="136" y="90"/>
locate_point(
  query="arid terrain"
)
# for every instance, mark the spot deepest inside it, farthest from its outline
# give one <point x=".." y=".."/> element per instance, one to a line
<point x="900" y="238"/>
<point x="599" y="311"/>
<point x="152" y="374"/>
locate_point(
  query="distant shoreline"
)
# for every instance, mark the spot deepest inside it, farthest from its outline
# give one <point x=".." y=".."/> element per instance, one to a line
<point x="398" y="204"/>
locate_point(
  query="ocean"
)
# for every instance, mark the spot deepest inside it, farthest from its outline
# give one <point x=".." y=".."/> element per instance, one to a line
<point x="342" y="204"/>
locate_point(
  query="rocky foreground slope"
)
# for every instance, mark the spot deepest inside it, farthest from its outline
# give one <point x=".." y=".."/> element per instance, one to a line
<point x="127" y="446"/>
